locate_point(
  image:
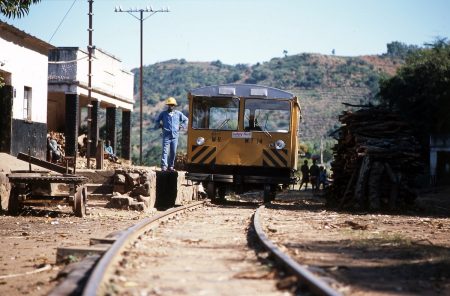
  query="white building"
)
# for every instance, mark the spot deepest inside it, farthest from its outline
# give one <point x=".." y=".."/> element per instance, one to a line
<point x="112" y="89"/>
<point x="45" y="88"/>
<point x="23" y="97"/>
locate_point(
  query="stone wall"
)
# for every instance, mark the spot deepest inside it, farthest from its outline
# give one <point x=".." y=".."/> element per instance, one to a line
<point x="145" y="189"/>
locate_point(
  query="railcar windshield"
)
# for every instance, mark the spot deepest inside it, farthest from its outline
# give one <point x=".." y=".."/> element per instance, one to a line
<point x="267" y="115"/>
<point x="215" y="113"/>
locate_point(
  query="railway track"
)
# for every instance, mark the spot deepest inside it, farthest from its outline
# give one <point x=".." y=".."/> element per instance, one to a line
<point x="208" y="251"/>
<point x="314" y="283"/>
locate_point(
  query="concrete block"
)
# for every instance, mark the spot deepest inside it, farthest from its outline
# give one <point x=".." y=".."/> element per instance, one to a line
<point x="166" y="189"/>
<point x="64" y="254"/>
<point x="119" y="178"/>
<point x="100" y="188"/>
<point x="120" y="202"/>
<point x="187" y="192"/>
<point x="119" y="188"/>
<point x="103" y="240"/>
<point x="138" y="206"/>
<point x="151" y="178"/>
<point x="173" y="189"/>
<point x="97" y="176"/>
<point x="143" y="189"/>
<point x="5" y="188"/>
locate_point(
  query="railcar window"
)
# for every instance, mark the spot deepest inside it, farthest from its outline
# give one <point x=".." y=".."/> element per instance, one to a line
<point x="215" y="113"/>
<point x="267" y="115"/>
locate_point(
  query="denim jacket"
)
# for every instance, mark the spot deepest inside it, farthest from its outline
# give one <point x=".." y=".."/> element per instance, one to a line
<point x="171" y="123"/>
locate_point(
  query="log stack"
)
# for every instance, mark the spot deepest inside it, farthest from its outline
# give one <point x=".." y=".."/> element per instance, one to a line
<point x="376" y="161"/>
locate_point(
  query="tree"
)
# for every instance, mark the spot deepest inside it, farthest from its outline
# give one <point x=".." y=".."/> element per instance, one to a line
<point x="399" y="49"/>
<point x="16" y="8"/>
<point x="217" y="63"/>
<point x="421" y="89"/>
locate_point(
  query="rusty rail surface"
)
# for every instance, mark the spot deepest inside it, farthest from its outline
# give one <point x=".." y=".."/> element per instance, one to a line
<point x="314" y="283"/>
<point x="103" y="267"/>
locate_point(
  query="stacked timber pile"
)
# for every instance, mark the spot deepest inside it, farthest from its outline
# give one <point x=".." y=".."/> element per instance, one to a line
<point x="376" y="161"/>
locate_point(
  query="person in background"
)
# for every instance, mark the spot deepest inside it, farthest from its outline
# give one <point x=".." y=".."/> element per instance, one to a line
<point x="110" y="152"/>
<point x="322" y="178"/>
<point x="305" y="175"/>
<point x="171" y="121"/>
<point x="52" y="146"/>
<point x="314" y="172"/>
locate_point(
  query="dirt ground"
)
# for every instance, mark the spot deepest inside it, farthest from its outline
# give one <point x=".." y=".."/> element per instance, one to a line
<point x="368" y="253"/>
<point x="416" y="244"/>
<point x="29" y="243"/>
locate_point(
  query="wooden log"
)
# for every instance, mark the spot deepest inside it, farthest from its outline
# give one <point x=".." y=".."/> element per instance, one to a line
<point x="395" y="179"/>
<point x="362" y="181"/>
<point x="347" y="196"/>
<point x="374" y="185"/>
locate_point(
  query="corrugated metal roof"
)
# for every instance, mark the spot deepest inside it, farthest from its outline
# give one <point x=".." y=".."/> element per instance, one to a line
<point x="13" y="34"/>
<point x="242" y="90"/>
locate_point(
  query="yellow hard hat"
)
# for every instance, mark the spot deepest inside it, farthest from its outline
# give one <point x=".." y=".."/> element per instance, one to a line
<point x="171" y="101"/>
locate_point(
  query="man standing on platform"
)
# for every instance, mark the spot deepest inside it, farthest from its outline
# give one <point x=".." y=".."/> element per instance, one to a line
<point x="171" y="121"/>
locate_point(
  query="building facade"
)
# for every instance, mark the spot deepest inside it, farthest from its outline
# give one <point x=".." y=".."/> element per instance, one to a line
<point x="23" y="95"/>
<point x="68" y="101"/>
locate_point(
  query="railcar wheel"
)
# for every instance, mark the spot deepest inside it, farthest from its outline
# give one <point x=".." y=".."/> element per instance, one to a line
<point x="211" y="191"/>
<point x="14" y="206"/>
<point x="79" y="202"/>
<point x="85" y="197"/>
<point x="221" y="192"/>
<point x="269" y="193"/>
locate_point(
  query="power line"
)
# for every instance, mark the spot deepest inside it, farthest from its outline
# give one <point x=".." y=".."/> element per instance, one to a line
<point x="141" y="19"/>
<point x="73" y="3"/>
<point x="67" y="62"/>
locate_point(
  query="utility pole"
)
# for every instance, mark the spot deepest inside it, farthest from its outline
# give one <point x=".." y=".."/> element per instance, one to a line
<point x="90" y="48"/>
<point x="141" y="19"/>
<point x="321" y="150"/>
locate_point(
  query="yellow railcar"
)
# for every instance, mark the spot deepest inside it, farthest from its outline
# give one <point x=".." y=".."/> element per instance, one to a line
<point x="242" y="137"/>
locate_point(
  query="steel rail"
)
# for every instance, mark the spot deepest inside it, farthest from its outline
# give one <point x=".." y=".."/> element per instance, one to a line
<point x="94" y="283"/>
<point x="316" y="285"/>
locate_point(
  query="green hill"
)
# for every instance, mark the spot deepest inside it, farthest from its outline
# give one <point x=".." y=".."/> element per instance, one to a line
<point x="321" y="82"/>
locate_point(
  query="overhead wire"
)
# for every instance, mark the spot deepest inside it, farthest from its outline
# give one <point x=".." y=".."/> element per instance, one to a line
<point x="60" y="23"/>
<point x="68" y="62"/>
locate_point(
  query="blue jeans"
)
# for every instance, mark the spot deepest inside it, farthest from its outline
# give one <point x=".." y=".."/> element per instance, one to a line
<point x="169" y="148"/>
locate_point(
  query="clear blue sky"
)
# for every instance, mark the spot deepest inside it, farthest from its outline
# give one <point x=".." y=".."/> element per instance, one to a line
<point x="240" y="31"/>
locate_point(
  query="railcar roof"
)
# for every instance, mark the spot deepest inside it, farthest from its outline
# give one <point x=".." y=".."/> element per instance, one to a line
<point x="242" y="90"/>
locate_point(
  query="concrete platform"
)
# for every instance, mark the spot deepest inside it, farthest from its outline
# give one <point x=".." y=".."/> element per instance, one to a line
<point x="10" y="163"/>
<point x="166" y="189"/>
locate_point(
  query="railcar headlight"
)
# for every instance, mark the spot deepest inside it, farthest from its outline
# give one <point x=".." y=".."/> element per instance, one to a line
<point x="200" y="141"/>
<point x="280" y="144"/>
